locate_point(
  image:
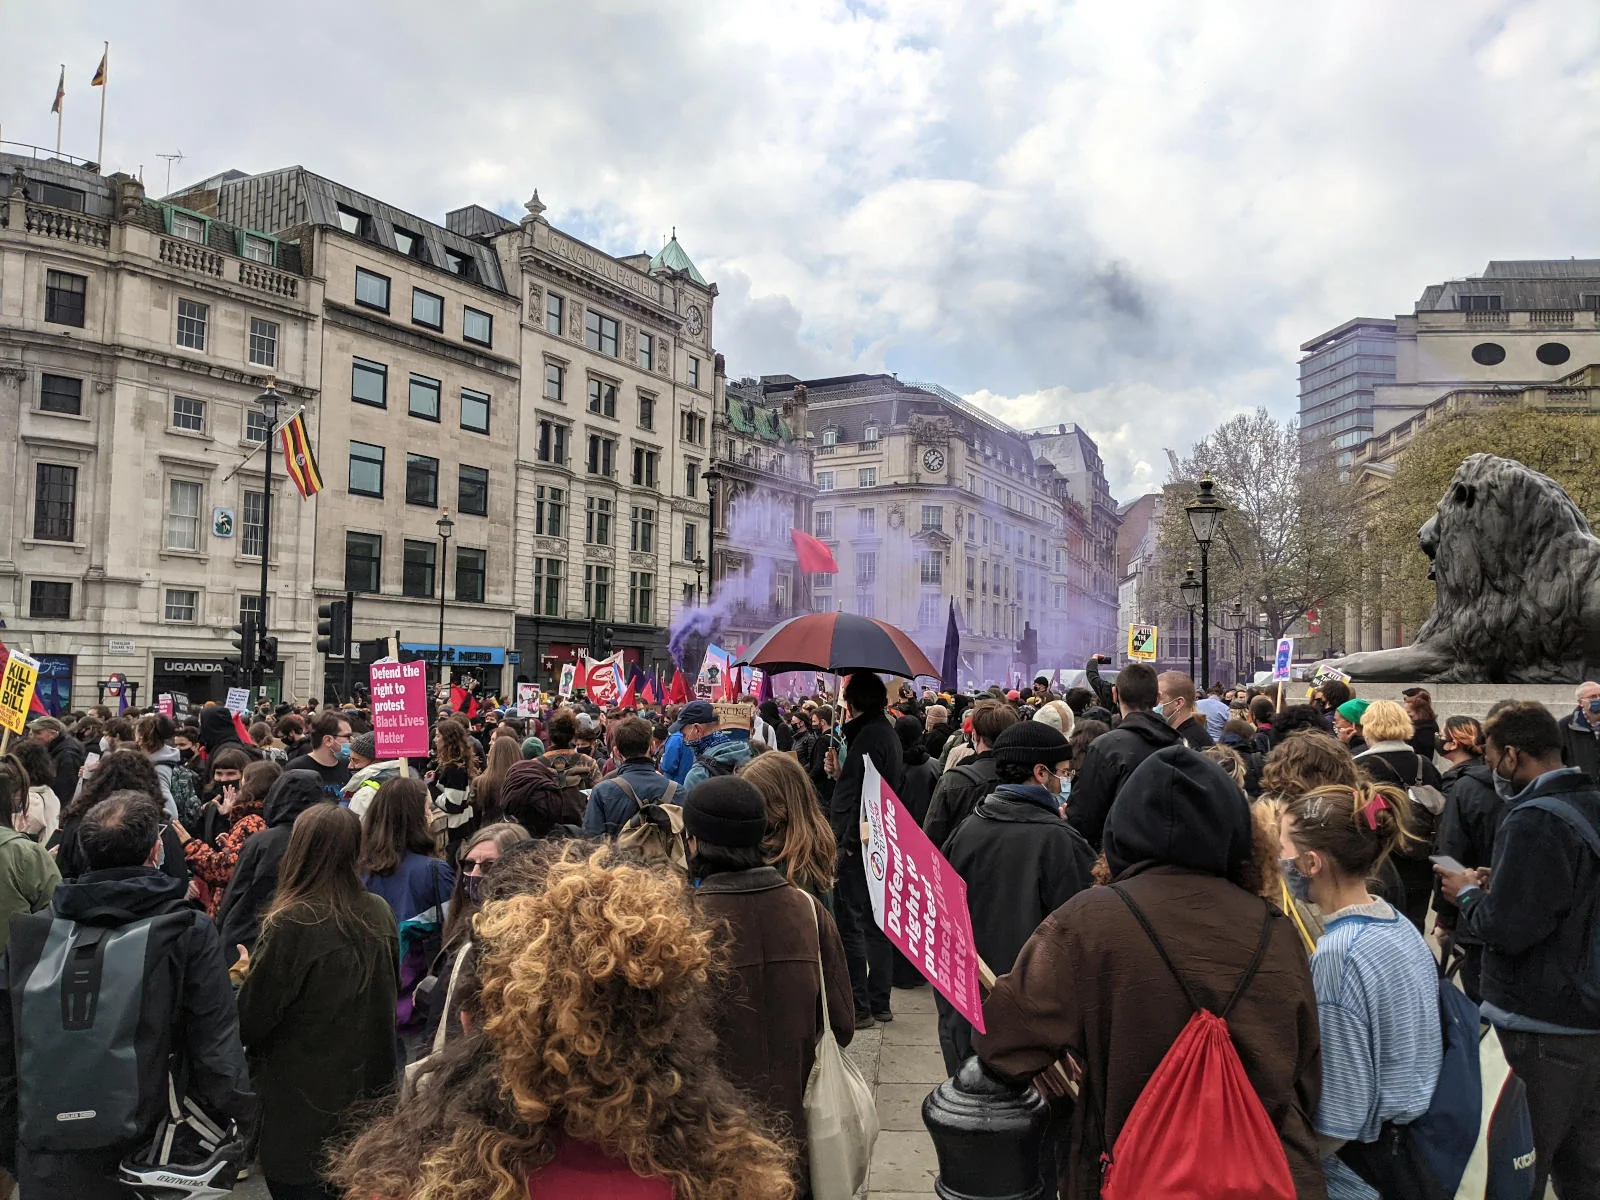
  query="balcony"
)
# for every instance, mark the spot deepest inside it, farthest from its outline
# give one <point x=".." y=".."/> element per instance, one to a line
<point x="67" y="225"/>
<point x="265" y="279"/>
<point x="191" y="257"/>
<point x="1489" y="317"/>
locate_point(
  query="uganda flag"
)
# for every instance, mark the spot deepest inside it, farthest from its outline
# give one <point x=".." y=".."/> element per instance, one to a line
<point x="298" y="459"/>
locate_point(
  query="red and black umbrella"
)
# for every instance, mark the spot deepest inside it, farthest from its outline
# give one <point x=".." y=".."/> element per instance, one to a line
<point x="838" y="643"/>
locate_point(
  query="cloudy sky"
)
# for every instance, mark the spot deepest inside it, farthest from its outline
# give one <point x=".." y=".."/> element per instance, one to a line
<point x="1125" y="215"/>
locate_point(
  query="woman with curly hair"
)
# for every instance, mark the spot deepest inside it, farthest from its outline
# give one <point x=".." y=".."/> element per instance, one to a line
<point x="119" y="771"/>
<point x="589" y="1068"/>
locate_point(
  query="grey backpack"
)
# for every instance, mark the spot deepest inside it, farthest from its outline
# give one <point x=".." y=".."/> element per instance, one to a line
<point x="93" y="1008"/>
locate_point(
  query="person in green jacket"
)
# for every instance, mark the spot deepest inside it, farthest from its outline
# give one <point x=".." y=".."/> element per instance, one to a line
<point x="316" y="1011"/>
<point x="28" y="872"/>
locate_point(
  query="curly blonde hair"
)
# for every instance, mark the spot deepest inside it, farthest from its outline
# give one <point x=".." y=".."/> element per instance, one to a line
<point x="592" y="1024"/>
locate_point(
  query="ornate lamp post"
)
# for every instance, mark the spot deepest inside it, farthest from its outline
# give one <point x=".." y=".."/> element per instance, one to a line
<point x="1205" y="514"/>
<point x="1190" y="590"/>
<point x="446" y="525"/>
<point x="699" y="571"/>
<point x="1233" y="621"/>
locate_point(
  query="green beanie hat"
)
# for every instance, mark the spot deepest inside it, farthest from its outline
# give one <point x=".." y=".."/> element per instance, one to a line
<point x="1351" y="710"/>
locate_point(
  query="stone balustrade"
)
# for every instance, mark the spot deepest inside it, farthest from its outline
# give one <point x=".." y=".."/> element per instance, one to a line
<point x="191" y="257"/>
<point x="265" y="279"/>
<point x="68" y="226"/>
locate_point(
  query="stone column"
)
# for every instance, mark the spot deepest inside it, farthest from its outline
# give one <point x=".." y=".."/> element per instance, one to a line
<point x="1352" y="629"/>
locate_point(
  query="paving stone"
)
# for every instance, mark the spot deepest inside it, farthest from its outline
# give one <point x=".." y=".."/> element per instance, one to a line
<point x="912" y="1029"/>
<point x="911" y="1064"/>
<point x="900" y="1106"/>
<point x="912" y="1000"/>
<point x="902" y="1162"/>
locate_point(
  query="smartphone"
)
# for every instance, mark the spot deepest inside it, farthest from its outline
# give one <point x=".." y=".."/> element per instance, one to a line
<point x="1448" y="863"/>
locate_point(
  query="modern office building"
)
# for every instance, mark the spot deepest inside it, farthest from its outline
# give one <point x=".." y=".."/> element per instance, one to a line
<point x="1339" y="377"/>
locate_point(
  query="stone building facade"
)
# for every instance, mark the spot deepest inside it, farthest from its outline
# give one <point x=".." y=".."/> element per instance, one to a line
<point x="134" y="339"/>
<point x="418" y="418"/>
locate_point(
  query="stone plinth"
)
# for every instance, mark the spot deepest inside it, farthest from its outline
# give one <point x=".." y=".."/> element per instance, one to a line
<point x="1475" y="699"/>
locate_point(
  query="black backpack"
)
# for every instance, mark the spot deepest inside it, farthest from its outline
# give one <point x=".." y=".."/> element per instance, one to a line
<point x="94" y="1010"/>
<point x="713" y="766"/>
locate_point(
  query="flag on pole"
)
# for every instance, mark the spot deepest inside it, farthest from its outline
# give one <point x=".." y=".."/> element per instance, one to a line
<point x="61" y="90"/>
<point x="298" y="459"/>
<point x="815" y="557"/>
<point x="951" y="664"/>
<point x="99" y="79"/>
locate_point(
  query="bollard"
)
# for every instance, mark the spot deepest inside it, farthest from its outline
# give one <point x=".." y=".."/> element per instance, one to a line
<point x="987" y="1136"/>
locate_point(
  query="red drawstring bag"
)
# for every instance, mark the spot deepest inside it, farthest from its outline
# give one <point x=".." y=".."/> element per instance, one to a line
<point x="1198" y="1131"/>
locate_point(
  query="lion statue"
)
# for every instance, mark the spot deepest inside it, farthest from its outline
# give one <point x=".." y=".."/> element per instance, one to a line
<point x="1518" y="574"/>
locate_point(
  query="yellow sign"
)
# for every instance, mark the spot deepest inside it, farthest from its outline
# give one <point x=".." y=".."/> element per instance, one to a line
<point x="16" y="690"/>
<point x="1142" y="643"/>
<point x="735" y="716"/>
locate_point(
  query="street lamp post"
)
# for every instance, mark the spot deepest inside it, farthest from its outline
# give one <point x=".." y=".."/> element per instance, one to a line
<point x="445" y="525"/>
<point x="1233" y="621"/>
<point x="1263" y="632"/>
<point x="699" y="570"/>
<point x="1205" y="514"/>
<point x="269" y="401"/>
<point x="712" y="478"/>
<point x="1190" y="590"/>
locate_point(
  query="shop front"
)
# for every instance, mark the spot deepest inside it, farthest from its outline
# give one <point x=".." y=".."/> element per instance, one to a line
<point x="465" y="665"/>
<point x="192" y="677"/>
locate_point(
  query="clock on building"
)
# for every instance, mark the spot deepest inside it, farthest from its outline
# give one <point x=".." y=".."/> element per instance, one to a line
<point x="693" y="320"/>
<point x="933" y="458"/>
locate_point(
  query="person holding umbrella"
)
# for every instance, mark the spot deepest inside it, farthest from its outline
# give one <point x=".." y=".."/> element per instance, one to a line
<point x="868" y="733"/>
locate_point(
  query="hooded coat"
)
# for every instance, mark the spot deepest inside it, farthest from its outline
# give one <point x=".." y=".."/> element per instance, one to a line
<point x="255" y="875"/>
<point x="536" y="797"/>
<point x="1111" y="759"/>
<point x="206" y="1028"/>
<point x="783" y="738"/>
<point x="216" y="730"/>
<point x="921" y="771"/>
<point x="1091" y="982"/>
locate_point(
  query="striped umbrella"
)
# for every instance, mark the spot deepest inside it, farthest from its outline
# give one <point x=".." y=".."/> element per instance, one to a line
<point x="838" y="643"/>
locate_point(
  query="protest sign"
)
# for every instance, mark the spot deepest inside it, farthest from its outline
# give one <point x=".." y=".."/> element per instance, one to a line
<point x="16" y="690"/>
<point x="918" y="900"/>
<point x="603" y="679"/>
<point x="569" y="673"/>
<point x="731" y="715"/>
<point x="399" y="694"/>
<point x="164" y="704"/>
<point x="713" y="673"/>
<point x="1327" y="674"/>
<point x="238" y="699"/>
<point x="1280" y="664"/>
<point x="527" y="698"/>
<point x="1142" y="643"/>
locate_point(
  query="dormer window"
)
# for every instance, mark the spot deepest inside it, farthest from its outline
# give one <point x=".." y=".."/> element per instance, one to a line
<point x="830" y="438"/>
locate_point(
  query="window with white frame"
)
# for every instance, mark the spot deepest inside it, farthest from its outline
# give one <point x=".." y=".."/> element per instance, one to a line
<point x="866" y="520"/>
<point x="263" y="342"/>
<point x="253" y="527"/>
<point x="192" y="318"/>
<point x="867" y="477"/>
<point x="822" y="521"/>
<point x="190" y="229"/>
<point x="259" y="249"/>
<point x="183" y="514"/>
<point x="188" y="414"/>
<point x="932" y="567"/>
<point x="181" y="605"/>
<point x="824" y="481"/>
<point x="257" y="425"/>
<point x="928" y="609"/>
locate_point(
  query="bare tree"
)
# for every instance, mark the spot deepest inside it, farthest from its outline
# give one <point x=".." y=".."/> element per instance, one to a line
<point x="1288" y="543"/>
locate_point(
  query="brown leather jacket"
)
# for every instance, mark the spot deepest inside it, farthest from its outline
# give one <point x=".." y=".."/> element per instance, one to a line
<point x="1090" y="982"/>
<point x="768" y="1023"/>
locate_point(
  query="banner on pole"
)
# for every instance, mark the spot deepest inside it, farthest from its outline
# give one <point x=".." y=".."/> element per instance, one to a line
<point x="1280" y="664"/>
<point x="527" y="698"/>
<point x="16" y="690"/>
<point x="400" y="708"/>
<point x="918" y="900"/>
<point x="603" y="679"/>
<point x="713" y="673"/>
<point x="1142" y="643"/>
<point x="569" y="674"/>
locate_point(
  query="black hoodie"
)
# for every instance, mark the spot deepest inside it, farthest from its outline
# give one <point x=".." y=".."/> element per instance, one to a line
<point x="1107" y="766"/>
<point x="206" y="1026"/>
<point x="255" y="877"/>
<point x="1178" y="808"/>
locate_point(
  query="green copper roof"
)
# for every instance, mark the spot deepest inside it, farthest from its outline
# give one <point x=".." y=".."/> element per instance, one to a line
<point x="671" y="257"/>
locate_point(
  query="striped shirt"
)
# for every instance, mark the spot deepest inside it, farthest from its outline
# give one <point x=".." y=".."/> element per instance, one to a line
<point x="1382" y="1045"/>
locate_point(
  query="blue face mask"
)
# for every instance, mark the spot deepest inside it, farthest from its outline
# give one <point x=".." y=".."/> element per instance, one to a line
<point x="1299" y="884"/>
<point x="344" y="752"/>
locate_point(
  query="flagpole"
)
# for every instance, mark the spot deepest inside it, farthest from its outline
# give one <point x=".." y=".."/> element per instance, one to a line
<point x="267" y="398"/>
<point x="61" y="109"/>
<point x="105" y="84"/>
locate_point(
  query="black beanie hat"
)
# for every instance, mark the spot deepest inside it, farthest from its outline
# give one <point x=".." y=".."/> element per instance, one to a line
<point x="725" y="811"/>
<point x="1030" y="743"/>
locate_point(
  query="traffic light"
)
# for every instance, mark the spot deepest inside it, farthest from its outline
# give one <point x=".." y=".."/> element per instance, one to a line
<point x="333" y="628"/>
<point x="607" y="636"/>
<point x="244" y="641"/>
<point x="1028" y="645"/>
<point x="269" y="654"/>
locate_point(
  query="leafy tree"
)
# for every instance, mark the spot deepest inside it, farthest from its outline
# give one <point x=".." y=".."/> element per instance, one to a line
<point x="1286" y="544"/>
<point x="1564" y="446"/>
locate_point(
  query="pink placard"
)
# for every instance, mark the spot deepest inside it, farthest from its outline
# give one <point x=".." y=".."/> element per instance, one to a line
<point x="918" y="899"/>
<point x="400" y="709"/>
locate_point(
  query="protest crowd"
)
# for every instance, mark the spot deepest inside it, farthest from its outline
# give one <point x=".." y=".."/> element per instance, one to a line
<point x="582" y="951"/>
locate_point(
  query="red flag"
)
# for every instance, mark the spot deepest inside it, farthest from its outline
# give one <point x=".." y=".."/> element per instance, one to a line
<point x="678" y="693"/>
<point x="815" y="558"/>
<point x="649" y="694"/>
<point x="630" y="695"/>
<point x="240" y="728"/>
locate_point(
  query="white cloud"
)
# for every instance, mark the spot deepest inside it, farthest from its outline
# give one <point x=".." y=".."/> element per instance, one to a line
<point x="1128" y="215"/>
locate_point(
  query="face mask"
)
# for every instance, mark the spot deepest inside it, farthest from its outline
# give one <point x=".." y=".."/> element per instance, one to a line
<point x="105" y="745"/>
<point x="474" y="887"/>
<point x="185" y="755"/>
<point x="344" y="752"/>
<point x="1594" y="707"/>
<point x="1506" y="789"/>
<point x="1065" y="780"/>
<point x="1440" y="746"/>
<point x="1299" y="884"/>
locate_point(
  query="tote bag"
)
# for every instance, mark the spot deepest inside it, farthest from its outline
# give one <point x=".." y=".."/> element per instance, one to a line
<point x="841" y="1117"/>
